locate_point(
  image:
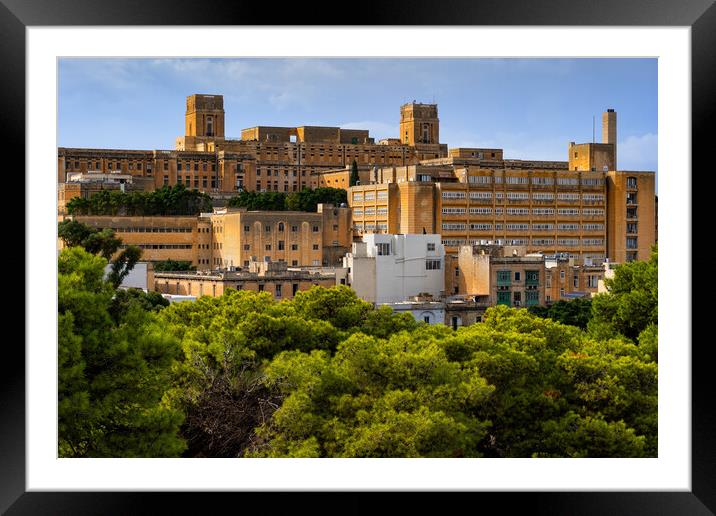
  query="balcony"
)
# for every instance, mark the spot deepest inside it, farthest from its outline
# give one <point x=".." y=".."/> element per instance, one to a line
<point x="503" y="298"/>
<point x="532" y="281"/>
<point x="504" y="280"/>
<point x="532" y="301"/>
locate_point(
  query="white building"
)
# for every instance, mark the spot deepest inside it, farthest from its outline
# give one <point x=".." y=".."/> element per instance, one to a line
<point x="141" y="276"/>
<point x="387" y="268"/>
<point x="431" y="312"/>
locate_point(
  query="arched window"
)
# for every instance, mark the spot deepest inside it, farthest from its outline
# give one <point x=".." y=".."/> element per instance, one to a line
<point x="427" y="317"/>
<point x="280" y="226"/>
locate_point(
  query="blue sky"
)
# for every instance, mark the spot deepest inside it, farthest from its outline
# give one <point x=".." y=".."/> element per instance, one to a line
<point x="532" y="108"/>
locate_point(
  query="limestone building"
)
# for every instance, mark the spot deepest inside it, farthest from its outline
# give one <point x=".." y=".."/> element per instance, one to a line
<point x="234" y="237"/>
<point x="511" y="276"/>
<point x="282" y="159"/>
<point x="585" y="206"/>
<point x="582" y="207"/>
<point x="181" y="238"/>
<point x="276" y="278"/>
<point x="297" y="238"/>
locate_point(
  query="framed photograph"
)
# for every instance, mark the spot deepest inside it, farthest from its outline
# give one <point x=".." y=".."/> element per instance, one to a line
<point x="57" y="56"/>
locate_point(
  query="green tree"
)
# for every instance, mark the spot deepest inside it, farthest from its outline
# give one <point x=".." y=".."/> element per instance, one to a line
<point x="577" y="312"/>
<point x="225" y="343"/>
<point x="339" y="306"/>
<point x="376" y="398"/>
<point x="575" y="436"/>
<point x="124" y="299"/>
<point x="173" y="265"/>
<point x="631" y="303"/>
<point x="514" y="386"/>
<point x="113" y="374"/>
<point x="167" y="200"/>
<point x="328" y="375"/>
<point x="123" y="264"/>
<point x="354" y="178"/>
<point x="102" y="242"/>
<point x="305" y="200"/>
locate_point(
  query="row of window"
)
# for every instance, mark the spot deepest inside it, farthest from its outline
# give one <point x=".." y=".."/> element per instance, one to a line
<point x="518" y="180"/>
<point x="370" y="211"/>
<point x="188" y="166"/>
<point x="455" y="226"/>
<point x="522" y="196"/>
<point x="370" y="227"/>
<point x="508" y="298"/>
<point x="111" y="165"/>
<point x="159" y="246"/>
<point x="281" y="227"/>
<point x="139" y="229"/>
<point x="188" y="181"/>
<point x="452" y="210"/>
<point x="268" y="188"/>
<point x="281" y="246"/>
<point x="276" y="172"/>
<point x="530" y="276"/>
<point x="370" y="196"/>
<point x="569" y="241"/>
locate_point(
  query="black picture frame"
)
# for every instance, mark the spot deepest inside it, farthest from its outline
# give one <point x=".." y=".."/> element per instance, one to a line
<point x="700" y="15"/>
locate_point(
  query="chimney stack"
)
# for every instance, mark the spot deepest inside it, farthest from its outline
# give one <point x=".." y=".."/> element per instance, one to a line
<point x="609" y="130"/>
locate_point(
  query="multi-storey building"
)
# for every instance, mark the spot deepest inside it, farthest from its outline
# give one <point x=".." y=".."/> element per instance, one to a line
<point x="182" y="238"/>
<point x="264" y="158"/>
<point x="511" y="276"/>
<point x="564" y="279"/>
<point x="582" y="207"/>
<point x="295" y="237"/>
<point x="392" y="268"/>
<point x="507" y="274"/>
<point x="233" y="237"/>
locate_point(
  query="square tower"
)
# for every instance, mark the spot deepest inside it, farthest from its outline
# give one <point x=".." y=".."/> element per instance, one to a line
<point x="205" y="116"/>
<point x="594" y="156"/>
<point x="419" y="124"/>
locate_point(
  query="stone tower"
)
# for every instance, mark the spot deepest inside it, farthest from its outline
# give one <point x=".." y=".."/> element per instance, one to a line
<point x="205" y="116"/>
<point x="419" y="124"/>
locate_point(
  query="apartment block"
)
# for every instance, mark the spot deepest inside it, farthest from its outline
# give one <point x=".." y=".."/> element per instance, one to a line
<point x="583" y="207"/>
<point x="566" y="280"/>
<point x="632" y="215"/>
<point x="393" y="268"/>
<point x="508" y="275"/>
<point x="512" y="276"/>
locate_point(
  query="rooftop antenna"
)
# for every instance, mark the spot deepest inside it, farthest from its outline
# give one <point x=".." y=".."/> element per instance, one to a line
<point x="593" y="122"/>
